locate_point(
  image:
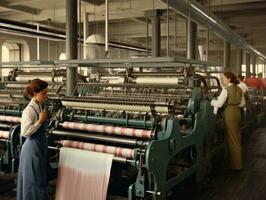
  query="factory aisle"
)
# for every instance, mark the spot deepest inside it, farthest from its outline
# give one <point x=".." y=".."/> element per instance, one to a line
<point x="249" y="184"/>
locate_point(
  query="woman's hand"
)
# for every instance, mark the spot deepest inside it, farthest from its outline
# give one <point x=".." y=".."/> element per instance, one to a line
<point x="42" y="116"/>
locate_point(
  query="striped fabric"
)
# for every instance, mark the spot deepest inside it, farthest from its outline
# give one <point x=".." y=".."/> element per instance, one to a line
<point x="131" y="132"/>
<point x="83" y="175"/>
<point x="116" y="151"/>
<point x="4" y="134"/>
<point x="10" y="119"/>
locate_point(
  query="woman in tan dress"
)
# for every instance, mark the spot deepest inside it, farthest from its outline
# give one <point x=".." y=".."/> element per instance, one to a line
<point x="231" y="99"/>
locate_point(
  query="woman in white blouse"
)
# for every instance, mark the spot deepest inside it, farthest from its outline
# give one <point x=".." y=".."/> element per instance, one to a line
<point x="32" y="174"/>
<point x="231" y="99"/>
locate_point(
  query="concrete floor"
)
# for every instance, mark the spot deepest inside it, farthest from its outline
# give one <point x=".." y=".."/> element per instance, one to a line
<point x="249" y="184"/>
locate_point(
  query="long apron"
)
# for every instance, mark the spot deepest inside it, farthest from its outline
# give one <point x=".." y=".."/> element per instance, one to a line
<point x="232" y="118"/>
<point x="32" y="173"/>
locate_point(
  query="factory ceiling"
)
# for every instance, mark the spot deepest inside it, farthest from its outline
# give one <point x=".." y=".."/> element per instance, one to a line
<point x="128" y="22"/>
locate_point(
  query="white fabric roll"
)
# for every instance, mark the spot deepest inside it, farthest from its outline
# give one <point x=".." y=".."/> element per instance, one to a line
<point x="157" y="81"/>
<point x="87" y="105"/>
<point x="44" y="78"/>
<point x="83" y="175"/>
<point x="16" y="85"/>
<point x="120" y="80"/>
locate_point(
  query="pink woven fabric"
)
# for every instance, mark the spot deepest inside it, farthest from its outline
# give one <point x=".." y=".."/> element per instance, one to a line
<point x="108" y="129"/>
<point x="83" y="175"/>
<point x="117" y="151"/>
<point x="10" y="119"/>
<point x="4" y="134"/>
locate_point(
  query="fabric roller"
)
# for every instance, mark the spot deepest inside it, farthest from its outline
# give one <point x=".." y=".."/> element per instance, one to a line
<point x="157" y="81"/>
<point x="10" y="119"/>
<point x="4" y="134"/>
<point x="88" y="105"/>
<point x="117" y="151"/>
<point x="108" y="129"/>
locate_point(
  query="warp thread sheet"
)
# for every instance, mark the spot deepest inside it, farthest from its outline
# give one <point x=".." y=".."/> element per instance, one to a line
<point x="83" y="175"/>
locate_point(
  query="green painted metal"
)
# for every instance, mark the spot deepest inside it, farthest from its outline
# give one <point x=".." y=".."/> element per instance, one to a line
<point x="17" y="112"/>
<point x="9" y="159"/>
<point x="173" y="146"/>
<point x="106" y="120"/>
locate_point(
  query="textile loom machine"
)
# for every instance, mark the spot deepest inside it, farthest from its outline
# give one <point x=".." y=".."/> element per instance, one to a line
<point x="256" y="105"/>
<point x="13" y="100"/>
<point x="12" y="104"/>
<point x="159" y="129"/>
<point x="51" y="75"/>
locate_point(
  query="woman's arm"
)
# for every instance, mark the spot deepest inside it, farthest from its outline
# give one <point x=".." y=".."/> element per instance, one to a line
<point x="243" y="101"/>
<point x="219" y="102"/>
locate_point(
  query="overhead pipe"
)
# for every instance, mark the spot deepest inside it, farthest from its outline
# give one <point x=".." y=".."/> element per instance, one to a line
<point x="199" y="14"/>
<point x="46" y="32"/>
<point x="30" y="35"/>
<point x="30" y="30"/>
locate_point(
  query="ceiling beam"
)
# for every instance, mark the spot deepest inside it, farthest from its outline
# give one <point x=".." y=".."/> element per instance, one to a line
<point x="227" y="2"/>
<point x="238" y="6"/>
<point x="94" y="2"/>
<point x="21" y="2"/>
<point x="240" y="12"/>
<point x="21" y="9"/>
<point x="239" y="21"/>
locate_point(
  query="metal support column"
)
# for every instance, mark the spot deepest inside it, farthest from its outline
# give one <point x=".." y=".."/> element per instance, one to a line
<point x="191" y="39"/>
<point x="264" y="70"/>
<point x="106" y="28"/>
<point x="1" y="59"/>
<point x="156" y="31"/>
<point x="85" y="33"/>
<point x="38" y="43"/>
<point x="227" y="56"/>
<point x="207" y="45"/>
<point x="247" y="60"/>
<point x="71" y="43"/>
<point x="239" y="60"/>
<point x="253" y="58"/>
<point x="176" y="21"/>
